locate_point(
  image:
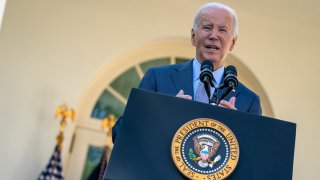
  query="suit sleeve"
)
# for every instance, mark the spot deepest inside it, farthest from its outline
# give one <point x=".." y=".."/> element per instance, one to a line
<point x="148" y="81"/>
<point x="115" y="128"/>
<point x="255" y="107"/>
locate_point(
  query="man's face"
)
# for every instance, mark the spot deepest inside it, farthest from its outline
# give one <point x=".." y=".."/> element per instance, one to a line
<point x="213" y="37"/>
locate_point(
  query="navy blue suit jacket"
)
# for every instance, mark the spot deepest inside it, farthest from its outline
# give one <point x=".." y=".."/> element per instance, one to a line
<point x="171" y="79"/>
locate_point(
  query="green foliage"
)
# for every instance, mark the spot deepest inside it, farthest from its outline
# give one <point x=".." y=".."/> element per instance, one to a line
<point x="192" y="156"/>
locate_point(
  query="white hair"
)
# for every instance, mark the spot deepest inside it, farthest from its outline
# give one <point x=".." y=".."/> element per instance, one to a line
<point x="217" y="6"/>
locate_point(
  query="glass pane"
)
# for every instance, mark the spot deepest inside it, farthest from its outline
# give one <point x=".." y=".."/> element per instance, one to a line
<point x="94" y="157"/>
<point x="153" y="63"/>
<point x="180" y="60"/>
<point x="125" y="82"/>
<point x="107" y="104"/>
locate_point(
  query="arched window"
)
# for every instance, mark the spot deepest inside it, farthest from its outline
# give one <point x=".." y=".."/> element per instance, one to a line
<point x="114" y="97"/>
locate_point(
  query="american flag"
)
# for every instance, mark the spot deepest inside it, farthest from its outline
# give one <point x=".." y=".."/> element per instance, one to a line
<point x="53" y="170"/>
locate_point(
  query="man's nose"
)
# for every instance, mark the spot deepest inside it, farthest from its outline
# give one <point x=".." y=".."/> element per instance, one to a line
<point x="213" y="35"/>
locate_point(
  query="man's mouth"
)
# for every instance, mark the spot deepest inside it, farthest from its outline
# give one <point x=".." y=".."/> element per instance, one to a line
<point x="212" y="48"/>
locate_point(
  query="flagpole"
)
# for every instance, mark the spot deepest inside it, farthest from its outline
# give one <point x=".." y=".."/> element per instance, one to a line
<point x="54" y="167"/>
<point x="65" y="113"/>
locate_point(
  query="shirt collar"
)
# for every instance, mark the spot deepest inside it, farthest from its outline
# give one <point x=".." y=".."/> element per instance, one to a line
<point x="217" y="74"/>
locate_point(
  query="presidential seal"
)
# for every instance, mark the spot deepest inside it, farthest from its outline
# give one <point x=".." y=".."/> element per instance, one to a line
<point x="205" y="149"/>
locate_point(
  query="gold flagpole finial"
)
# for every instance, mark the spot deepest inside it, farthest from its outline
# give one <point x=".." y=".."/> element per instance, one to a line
<point x="64" y="112"/>
<point x="107" y="124"/>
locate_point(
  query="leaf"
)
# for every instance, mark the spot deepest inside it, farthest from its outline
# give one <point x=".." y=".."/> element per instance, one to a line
<point x="191" y="155"/>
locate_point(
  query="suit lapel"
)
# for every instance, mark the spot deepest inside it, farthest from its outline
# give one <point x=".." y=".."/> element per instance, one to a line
<point x="183" y="78"/>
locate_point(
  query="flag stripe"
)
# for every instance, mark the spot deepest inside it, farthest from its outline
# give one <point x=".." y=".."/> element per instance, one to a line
<point x="53" y="170"/>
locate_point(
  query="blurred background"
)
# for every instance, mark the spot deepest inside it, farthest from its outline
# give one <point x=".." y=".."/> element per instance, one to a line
<point x="89" y="54"/>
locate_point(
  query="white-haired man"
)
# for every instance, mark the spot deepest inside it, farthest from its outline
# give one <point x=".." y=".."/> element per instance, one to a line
<point x="214" y="35"/>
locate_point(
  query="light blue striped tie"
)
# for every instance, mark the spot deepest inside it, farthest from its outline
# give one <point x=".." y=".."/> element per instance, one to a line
<point x="201" y="94"/>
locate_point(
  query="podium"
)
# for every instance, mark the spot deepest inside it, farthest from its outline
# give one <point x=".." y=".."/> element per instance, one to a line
<point x="143" y="146"/>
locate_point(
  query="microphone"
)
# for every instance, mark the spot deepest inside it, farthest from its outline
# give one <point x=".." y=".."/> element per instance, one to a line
<point x="206" y="72"/>
<point x="206" y="76"/>
<point x="230" y="79"/>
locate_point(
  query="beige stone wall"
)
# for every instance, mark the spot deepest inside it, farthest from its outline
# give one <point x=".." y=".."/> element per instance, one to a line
<point x="52" y="51"/>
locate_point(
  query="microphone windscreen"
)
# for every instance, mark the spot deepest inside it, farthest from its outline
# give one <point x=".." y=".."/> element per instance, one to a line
<point x="207" y="64"/>
<point x="231" y="69"/>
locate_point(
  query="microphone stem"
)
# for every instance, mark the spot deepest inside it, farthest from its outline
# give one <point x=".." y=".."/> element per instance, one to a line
<point x="214" y="100"/>
<point x="228" y="91"/>
<point x="208" y="90"/>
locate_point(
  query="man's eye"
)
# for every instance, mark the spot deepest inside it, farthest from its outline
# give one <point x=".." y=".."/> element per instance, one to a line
<point x="223" y="30"/>
<point x="207" y="27"/>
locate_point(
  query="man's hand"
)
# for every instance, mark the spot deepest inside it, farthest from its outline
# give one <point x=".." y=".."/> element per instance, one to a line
<point x="184" y="96"/>
<point x="228" y="104"/>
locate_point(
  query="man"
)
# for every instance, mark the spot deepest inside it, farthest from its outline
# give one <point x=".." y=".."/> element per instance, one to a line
<point x="214" y="34"/>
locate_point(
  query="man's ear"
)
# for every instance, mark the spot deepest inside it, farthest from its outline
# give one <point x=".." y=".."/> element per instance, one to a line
<point x="193" y="34"/>
<point x="234" y="40"/>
